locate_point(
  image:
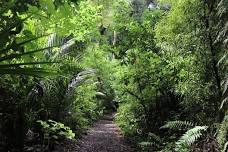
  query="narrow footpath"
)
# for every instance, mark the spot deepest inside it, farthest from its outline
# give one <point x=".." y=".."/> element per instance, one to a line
<point x="104" y="136"/>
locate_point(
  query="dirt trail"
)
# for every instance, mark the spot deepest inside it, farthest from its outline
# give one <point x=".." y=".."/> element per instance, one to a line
<point x="104" y="136"/>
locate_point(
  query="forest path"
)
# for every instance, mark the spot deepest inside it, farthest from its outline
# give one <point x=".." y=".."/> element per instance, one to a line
<point x="104" y="136"/>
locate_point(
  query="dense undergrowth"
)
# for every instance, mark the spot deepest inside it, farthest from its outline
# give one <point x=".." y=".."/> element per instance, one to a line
<point x="161" y="64"/>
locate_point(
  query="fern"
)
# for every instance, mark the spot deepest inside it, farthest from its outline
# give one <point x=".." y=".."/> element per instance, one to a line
<point x="154" y="137"/>
<point x="190" y="137"/>
<point x="225" y="149"/>
<point x="178" y="125"/>
<point x="224" y="94"/>
<point x="146" y="144"/>
<point x="153" y="140"/>
<point x="222" y="133"/>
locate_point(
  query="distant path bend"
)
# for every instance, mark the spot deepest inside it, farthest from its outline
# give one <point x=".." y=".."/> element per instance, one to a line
<point x="104" y="136"/>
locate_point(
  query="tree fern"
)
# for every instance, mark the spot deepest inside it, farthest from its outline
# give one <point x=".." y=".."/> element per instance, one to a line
<point x="178" y="125"/>
<point x="190" y="137"/>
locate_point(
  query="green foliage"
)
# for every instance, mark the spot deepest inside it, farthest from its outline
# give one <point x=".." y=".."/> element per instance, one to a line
<point x="67" y="18"/>
<point x="178" y="125"/>
<point x="25" y="34"/>
<point x="189" y="137"/>
<point x="152" y="142"/>
<point x="222" y="12"/>
<point x="128" y="118"/>
<point x="225" y="147"/>
<point x="192" y="134"/>
<point x="70" y="61"/>
<point x="222" y="134"/>
<point x="55" y="130"/>
<point x="181" y="37"/>
<point x="84" y="108"/>
<point x="145" y="146"/>
<point x="136" y="85"/>
<point x="169" y="147"/>
<point x="12" y="52"/>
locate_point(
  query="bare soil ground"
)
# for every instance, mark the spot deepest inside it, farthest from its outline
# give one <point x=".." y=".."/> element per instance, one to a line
<point x="104" y="136"/>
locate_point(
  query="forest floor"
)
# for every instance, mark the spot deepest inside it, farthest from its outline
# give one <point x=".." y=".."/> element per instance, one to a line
<point x="103" y="136"/>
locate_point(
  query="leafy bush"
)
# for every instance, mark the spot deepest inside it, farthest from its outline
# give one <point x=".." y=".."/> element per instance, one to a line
<point x="56" y="130"/>
<point x="127" y="118"/>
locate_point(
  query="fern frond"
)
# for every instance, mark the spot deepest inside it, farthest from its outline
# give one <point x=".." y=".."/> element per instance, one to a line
<point x="178" y="125"/>
<point x="154" y="137"/>
<point x="223" y="132"/>
<point x="225" y="147"/>
<point x="190" y="137"/>
<point x="146" y="144"/>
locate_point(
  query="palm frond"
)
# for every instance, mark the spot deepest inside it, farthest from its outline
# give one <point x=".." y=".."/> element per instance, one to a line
<point x="2" y="51"/>
<point x="12" y="56"/>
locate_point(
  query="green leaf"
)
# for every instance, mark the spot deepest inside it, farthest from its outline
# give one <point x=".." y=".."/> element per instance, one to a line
<point x="12" y="56"/>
